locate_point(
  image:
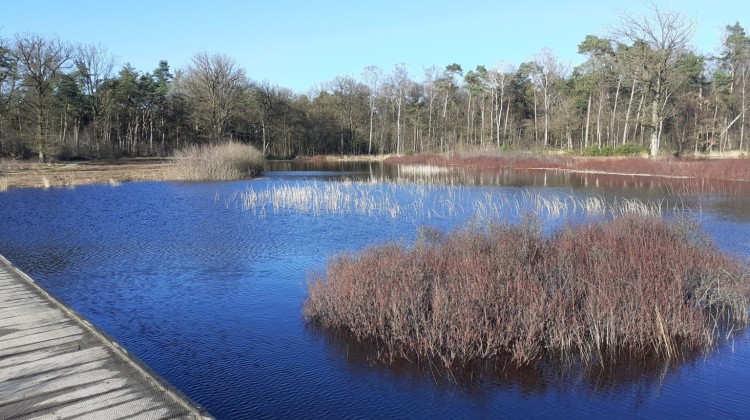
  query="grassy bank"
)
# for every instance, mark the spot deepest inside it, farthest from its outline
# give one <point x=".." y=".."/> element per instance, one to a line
<point x="228" y="161"/>
<point x="25" y="174"/>
<point x="219" y="162"/>
<point x="716" y="169"/>
<point x="631" y="286"/>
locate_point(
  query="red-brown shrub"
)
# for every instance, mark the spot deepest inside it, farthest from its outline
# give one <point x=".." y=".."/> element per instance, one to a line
<point x="634" y="286"/>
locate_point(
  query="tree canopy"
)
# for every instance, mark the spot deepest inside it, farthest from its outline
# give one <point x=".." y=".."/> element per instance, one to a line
<point x="641" y="84"/>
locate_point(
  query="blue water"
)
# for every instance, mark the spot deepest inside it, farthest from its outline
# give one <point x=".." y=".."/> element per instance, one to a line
<point x="209" y="296"/>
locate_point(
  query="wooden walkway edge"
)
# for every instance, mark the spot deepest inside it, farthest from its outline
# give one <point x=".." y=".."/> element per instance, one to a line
<point x="56" y="365"/>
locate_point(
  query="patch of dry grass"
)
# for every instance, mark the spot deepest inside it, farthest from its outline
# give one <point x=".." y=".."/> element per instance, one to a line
<point x="26" y="174"/>
<point x="220" y="162"/>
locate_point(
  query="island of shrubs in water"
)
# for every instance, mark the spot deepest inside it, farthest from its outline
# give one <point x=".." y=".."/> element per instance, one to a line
<point x="632" y="286"/>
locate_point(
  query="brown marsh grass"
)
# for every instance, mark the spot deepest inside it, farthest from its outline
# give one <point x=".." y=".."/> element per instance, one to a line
<point x="604" y="291"/>
<point x="217" y="162"/>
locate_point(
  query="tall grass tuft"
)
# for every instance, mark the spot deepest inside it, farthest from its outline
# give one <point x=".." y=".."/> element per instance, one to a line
<point x="628" y="287"/>
<point x="217" y="162"/>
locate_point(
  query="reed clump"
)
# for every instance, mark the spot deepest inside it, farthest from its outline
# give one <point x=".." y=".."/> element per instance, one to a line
<point x="217" y="162"/>
<point x="426" y="201"/>
<point x="634" y="286"/>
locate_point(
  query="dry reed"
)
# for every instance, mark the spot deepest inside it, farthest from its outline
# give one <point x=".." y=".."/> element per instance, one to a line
<point x="629" y="287"/>
<point x="426" y="201"/>
<point x="219" y="162"/>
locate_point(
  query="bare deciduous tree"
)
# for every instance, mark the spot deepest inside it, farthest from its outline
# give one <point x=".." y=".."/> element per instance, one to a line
<point x="401" y="83"/>
<point x="214" y="86"/>
<point x="372" y="76"/>
<point x="41" y="60"/>
<point x="8" y="83"/>
<point x="94" y="67"/>
<point x="663" y="38"/>
<point x="546" y="73"/>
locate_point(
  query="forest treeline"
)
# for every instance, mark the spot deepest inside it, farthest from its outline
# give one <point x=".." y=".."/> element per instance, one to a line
<point x="641" y="85"/>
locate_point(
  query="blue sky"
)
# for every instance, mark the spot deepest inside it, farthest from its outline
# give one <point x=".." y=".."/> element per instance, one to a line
<point x="297" y="44"/>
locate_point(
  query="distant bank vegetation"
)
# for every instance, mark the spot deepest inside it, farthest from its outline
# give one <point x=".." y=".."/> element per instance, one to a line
<point x="634" y="286"/>
<point x="716" y="169"/>
<point x="217" y="162"/>
<point x="640" y="85"/>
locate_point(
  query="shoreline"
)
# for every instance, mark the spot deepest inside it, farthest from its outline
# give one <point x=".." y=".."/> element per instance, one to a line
<point x="25" y="174"/>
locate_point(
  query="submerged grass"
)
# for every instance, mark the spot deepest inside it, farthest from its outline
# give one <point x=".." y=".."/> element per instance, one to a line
<point x="217" y="162"/>
<point x="632" y="286"/>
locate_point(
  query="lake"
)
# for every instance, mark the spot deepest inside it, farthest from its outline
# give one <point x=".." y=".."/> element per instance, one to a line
<point x="204" y="282"/>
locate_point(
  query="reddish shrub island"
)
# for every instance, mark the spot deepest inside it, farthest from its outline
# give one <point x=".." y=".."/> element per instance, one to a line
<point x="634" y="286"/>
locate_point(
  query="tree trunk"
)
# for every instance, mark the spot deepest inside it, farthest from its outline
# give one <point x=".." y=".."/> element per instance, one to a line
<point x="481" y="133"/>
<point x="39" y="133"/>
<point x="429" y="118"/>
<point x="588" y="123"/>
<point x="598" y="120"/>
<point x="627" y="114"/>
<point x="505" y="125"/>
<point x="536" y="127"/>
<point x="611" y="133"/>
<point x="656" y="124"/>
<point x="638" y="115"/>
<point x="744" y="105"/>
<point x="468" y="120"/>
<point x="445" y="123"/>
<point x="263" y="134"/>
<point x="369" y="143"/>
<point x="498" y="118"/>
<point x="398" y="129"/>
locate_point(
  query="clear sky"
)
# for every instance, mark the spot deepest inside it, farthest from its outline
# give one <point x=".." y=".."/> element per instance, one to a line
<point x="297" y="44"/>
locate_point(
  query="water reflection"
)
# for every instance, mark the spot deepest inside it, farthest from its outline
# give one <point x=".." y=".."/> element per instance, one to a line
<point x="642" y="374"/>
<point x="729" y="198"/>
<point x="209" y="296"/>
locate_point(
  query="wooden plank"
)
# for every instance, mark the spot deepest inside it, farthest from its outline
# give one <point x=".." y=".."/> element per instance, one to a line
<point x="41" y="337"/>
<point x="20" y="300"/>
<point x="28" y="386"/>
<point x="40" y="353"/>
<point x="51" y="400"/>
<point x="45" y="315"/>
<point x="30" y="308"/>
<point x="51" y="315"/>
<point x="112" y="404"/>
<point x="10" y="333"/>
<point x="48" y="384"/>
<point x="49" y="344"/>
<point x="54" y="364"/>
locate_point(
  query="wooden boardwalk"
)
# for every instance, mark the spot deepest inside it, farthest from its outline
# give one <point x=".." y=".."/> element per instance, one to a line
<point x="56" y="365"/>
